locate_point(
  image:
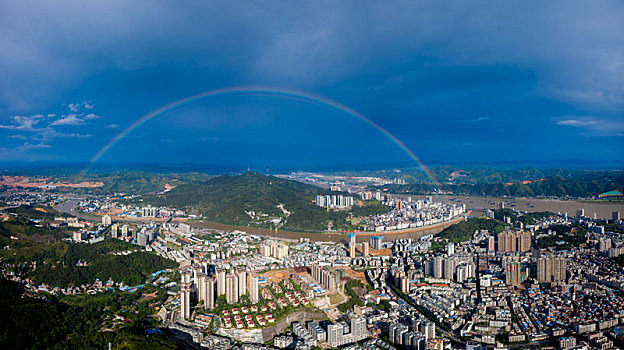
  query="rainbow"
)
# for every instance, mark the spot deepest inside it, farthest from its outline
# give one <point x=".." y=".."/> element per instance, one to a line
<point x="262" y="91"/>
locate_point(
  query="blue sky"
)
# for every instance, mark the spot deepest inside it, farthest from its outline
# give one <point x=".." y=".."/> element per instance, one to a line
<point x="455" y="81"/>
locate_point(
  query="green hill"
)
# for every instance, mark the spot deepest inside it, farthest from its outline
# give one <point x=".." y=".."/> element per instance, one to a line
<point x="57" y="262"/>
<point x="577" y="186"/>
<point x="255" y="199"/>
<point x="76" y="322"/>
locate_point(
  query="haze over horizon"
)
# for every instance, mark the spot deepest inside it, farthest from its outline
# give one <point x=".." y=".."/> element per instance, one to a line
<point x="453" y="82"/>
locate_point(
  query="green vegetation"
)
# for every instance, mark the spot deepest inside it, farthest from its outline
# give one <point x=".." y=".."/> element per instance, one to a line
<point x="26" y="229"/>
<point x="57" y="263"/>
<point x="476" y="181"/>
<point x="229" y="199"/>
<point x="564" y="237"/>
<point x="352" y="295"/>
<point x="74" y="322"/>
<point x="30" y="222"/>
<point x="131" y="182"/>
<point x="525" y="219"/>
<point x="464" y="230"/>
<point x="38" y="212"/>
<point x="384" y="305"/>
<point x="370" y="207"/>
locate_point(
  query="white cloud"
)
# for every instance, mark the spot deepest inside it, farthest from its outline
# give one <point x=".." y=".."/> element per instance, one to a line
<point x="34" y="129"/>
<point x="75" y="119"/>
<point x="69" y="119"/>
<point x="113" y="126"/>
<point x="27" y="146"/>
<point x="74" y="107"/>
<point x="475" y="120"/>
<point x="26" y="123"/>
<point x="88" y="105"/>
<point x="594" y="126"/>
<point x="577" y="122"/>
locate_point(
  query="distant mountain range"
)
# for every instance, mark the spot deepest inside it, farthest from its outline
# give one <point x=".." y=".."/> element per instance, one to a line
<point x="579" y="186"/>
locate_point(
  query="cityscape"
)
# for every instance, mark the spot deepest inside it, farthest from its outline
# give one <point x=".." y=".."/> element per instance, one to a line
<point x="312" y="175"/>
<point x="505" y="278"/>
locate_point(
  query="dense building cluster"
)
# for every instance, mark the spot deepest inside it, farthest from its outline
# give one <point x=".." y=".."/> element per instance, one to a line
<point x="202" y="284"/>
<point x="408" y="213"/>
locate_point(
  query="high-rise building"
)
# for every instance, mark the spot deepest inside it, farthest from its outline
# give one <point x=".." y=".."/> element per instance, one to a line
<point x="449" y="268"/>
<point x="427" y="328"/>
<point x="200" y="284"/>
<point x="148" y="211"/>
<point x="185" y="295"/>
<point x="580" y="213"/>
<point x="551" y="269"/>
<point x="335" y="334"/>
<point x="210" y="293"/>
<point x="352" y="245"/>
<point x="450" y="249"/>
<point x="615" y="216"/>
<point x="376" y="242"/>
<point x="358" y="328"/>
<point x="277" y="250"/>
<point x="324" y="277"/>
<point x="513" y="273"/>
<point x="142" y="239"/>
<point x="253" y="288"/>
<point x="518" y="241"/>
<point x="231" y="288"/>
<point x="242" y="283"/>
<point x="107" y="220"/>
<point x="491" y="244"/>
<point x="220" y="282"/>
<point x="115" y="231"/>
<point x="334" y="201"/>
<point x="365" y="249"/>
<point x="124" y="231"/>
<point x="438" y="267"/>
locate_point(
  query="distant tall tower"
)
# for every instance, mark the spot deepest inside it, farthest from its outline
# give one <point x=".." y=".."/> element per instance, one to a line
<point x="267" y="170"/>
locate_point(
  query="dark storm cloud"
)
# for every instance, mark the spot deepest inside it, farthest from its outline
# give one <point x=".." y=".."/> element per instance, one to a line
<point x="417" y="68"/>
